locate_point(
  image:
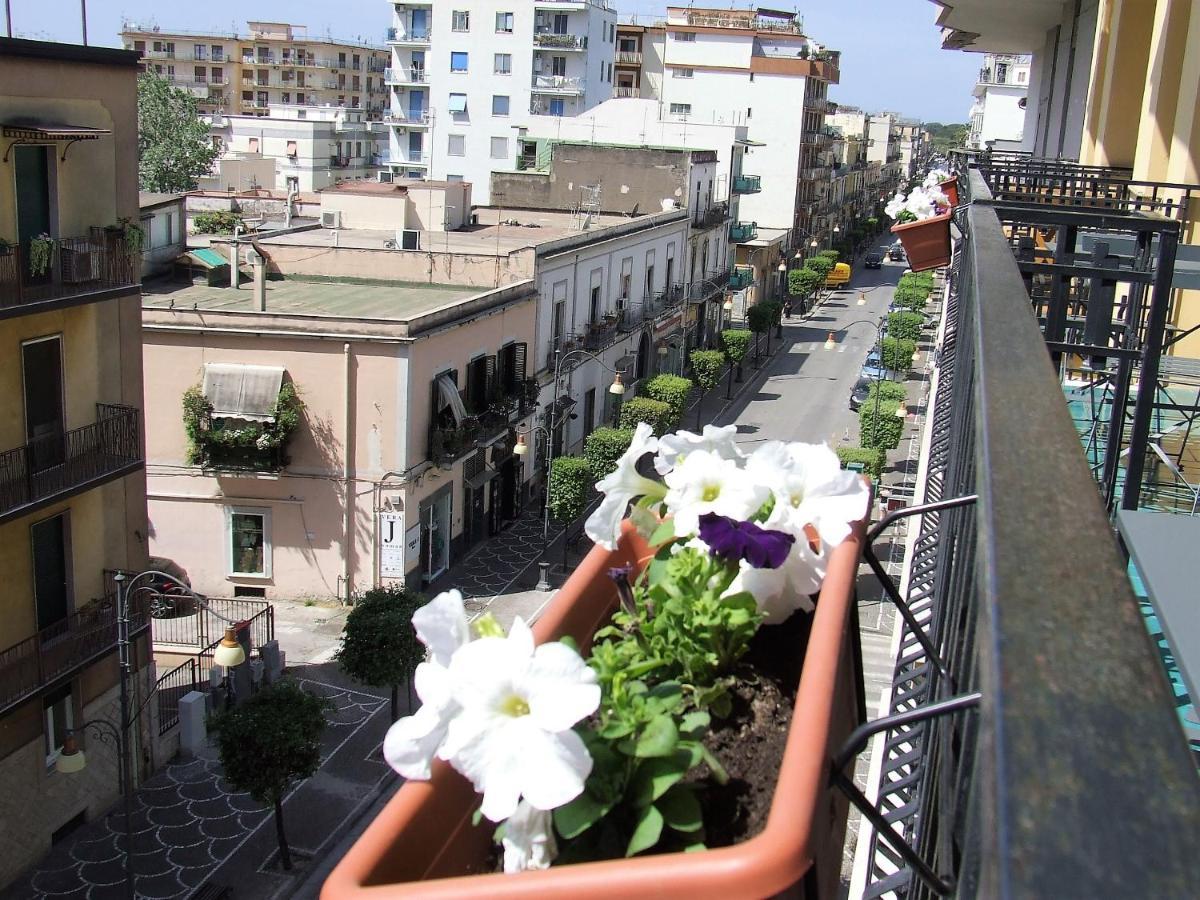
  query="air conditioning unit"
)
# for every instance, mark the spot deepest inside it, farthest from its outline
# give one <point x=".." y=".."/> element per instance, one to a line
<point x="408" y="239"/>
<point x="331" y="218"/>
<point x="386" y="177"/>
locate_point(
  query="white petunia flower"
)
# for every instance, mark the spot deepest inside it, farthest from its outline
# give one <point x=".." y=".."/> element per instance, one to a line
<point x="412" y="742"/>
<point x="935" y="178"/>
<point x="621" y="487"/>
<point x="895" y="206"/>
<point x="673" y="447"/>
<point x="778" y="592"/>
<point x="513" y="737"/>
<point x="705" y="482"/>
<point x="528" y="839"/>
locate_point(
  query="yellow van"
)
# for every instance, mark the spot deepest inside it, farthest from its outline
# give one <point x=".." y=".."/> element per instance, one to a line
<point x="839" y="275"/>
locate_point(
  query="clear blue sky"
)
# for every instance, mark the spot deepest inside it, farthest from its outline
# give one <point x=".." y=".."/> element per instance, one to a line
<point x="891" y="54"/>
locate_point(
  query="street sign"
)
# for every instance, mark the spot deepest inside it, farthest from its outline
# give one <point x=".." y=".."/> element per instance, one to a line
<point x="391" y="544"/>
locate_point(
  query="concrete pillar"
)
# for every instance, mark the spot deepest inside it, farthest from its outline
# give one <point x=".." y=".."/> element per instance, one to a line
<point x="1156" y="128"/>
<point x="1118" y="83"/>
<point x="193" y="712"/>
<point x="272" y="661"/>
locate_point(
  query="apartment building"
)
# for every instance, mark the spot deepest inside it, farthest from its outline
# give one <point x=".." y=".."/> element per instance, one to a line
<point x="997" y="116"/>
<point x="911" y="140"/>
<point x="755" y="68"/>
<point x="465" y="77"/>
<point x="880" y="135"/>
<point x="313" y="147"/>
<point x="272" y="64"/>
<point x="72" y="488"/>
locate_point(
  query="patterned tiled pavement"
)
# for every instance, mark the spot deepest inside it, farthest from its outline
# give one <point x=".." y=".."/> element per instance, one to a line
<point x="189" y="825"/>
<point x="499" y="563"/>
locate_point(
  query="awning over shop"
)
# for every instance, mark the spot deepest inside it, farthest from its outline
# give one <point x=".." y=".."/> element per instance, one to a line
<point x="43" y="132"/>
<point x="242" y="391"/>
<point x="448" y="392"/>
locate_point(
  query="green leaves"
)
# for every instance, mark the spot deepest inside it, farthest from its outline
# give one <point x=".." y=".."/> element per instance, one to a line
<point x="646" y="832"/>
<point x="681" y="810"/>
<point x="570" y="479"/>
<point x="174" y="146"/>
<point x="672" y="390"/>
<point x="579" y="815"/>
<point x="707" y="366"/>
<point x="659" y="738"/>
<point x="736" y="342"/>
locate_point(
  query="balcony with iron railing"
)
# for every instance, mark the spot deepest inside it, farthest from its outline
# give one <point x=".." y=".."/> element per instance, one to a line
<point x="404" y="75"/>
<point x="414" y="38"/>
<point x="54" y="654"/>
<point x="741" y="277"/>
<point x="53" y="467"/>
<point x="708" y="286"/>
<point x="408" y="118"/>
<point x="47" y="274"/>
<point x="557" y="84"/>
<point x="747" y="184"/>
<point x="1031" y="729"/>
<point x="740" y="232"/>
<point x="712" y="216"/>
<point x="622" y="91"/>
<point x="629" y="58"/>
<point x="549" y="40"/>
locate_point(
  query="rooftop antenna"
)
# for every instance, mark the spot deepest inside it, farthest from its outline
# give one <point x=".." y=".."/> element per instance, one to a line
<point x="589" y="205"/>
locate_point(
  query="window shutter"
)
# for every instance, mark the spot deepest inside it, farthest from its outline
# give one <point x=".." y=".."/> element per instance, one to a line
<point x="518" y="368"/>
<point x="491" y="391"/>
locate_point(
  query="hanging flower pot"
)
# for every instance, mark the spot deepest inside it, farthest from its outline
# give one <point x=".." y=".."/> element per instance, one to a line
<point x="950" y="189"/>
<point x="429" y="841"/>
<point x="926" y="242"/>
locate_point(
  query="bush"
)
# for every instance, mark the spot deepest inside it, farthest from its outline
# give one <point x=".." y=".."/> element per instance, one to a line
<point x="604" y="447"/>
<point x="655" y="413"/>
<point x="897" y="354"/>
<point x="872" y="222"/>
<point x="892" y="391"/>
<point x="822" y="265"/>
<point x="706" y="366"/>
<point x="802" y="282"/>
<point x="566" y="494"/>
<point x="379" y="646"/>
<point x="236" y="443"/>
<point x="736" y="342"/>
<point x="760" y="317"/>
<point x="880" y="429"/>
<point x="872" y="460"/>
<point x="672" y="390"/>
<point x="831" y="255"/>
<point x="905" y="325"/>
<point x="219" y="221"/>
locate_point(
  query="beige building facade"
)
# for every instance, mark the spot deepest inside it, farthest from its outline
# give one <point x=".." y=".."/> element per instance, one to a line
<point x="274" y="63"/>
<point x="72" y="488"/>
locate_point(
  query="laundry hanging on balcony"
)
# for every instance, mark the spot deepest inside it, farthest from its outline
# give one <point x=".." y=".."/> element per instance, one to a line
<point x="448" y="391"/>
<point x="242" y="391"/>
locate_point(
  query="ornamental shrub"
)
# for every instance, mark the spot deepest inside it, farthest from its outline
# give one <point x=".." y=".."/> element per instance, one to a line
<point x="566" y="494"/>
<point x="880" y="429"/>
<point x="672" y="390"/>
<point x="819" y="264"/>
<point x="760" y="317"/>
<point x="831" y="255"/>
<point x="237" y="443"/>
<point x="706" y="366"/>
<point x="604" y="447"/>
<point x="905" y="325"/>
<point x="655" y="413"/>
<point x="736" y="342"/>
<point x="379" y="646"/>
<point x="220" y="221"/>
<point x="887" y="390"/>
<point x="873" y="460"/>
<point x="802" y="282"/>
<point x="897" y="354"/>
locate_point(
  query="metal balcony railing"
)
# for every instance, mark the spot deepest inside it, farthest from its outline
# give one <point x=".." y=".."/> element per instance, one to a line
<point x="79" y="268"/>
<point x="557" y="84"/>
<point x="741" y="277"/>
<point x="623" y="91"/>
<point x="1032" y="733"/>
<point x="552" y="41"/>
<point x="405" y="76"/>
<point x="747" y="184"/>
<point x="629" y="57"/>
<point x="740" y="232"/>
<point x="715" y="214"/>
<point x="55" y="653"/>
<point x="707" y="287"/>
<point x="55" y="466"/>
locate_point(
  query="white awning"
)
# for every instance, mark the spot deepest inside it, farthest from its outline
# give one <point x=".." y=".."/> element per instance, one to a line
<point x="458" y="103"/>
<point x="448" y="391"/>
<point x="242" y="391"/>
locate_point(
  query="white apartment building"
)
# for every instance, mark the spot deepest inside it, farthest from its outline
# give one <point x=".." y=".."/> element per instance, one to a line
<point x="466" y="77"/>
<point x="998" y="114"/>
<point x="881" y="135"/>
<point x="313" y="147"/>
<point x="755" y="68"/>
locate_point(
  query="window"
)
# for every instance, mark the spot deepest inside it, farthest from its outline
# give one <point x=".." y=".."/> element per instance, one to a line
<point x="1021" y="76"/>
<point x="460" y="20"/>
<point x="504" y="23"/>
<point x="249" y="544"/>
<point x="681" y="109"/>
<point x="456" y="145"/>
<point x="627" y="45"/>
<point x="458" y="103"/>
<point x="500" y="104"/>
<point x="59" y="711"/>
<point x="683" y="73"/>
<point x="499" y="148"/>
<point x="458" y="62"/>
<point x="199" y="51"/>
<point x="686" y="37"/>
<point x="454" y="178"/>
<point x="287" y="98"/>
<point x="503" y="64"/>
<point x="558" y="107"/>
<point x="558" y="66"/>
<point x="560" y="23"/>
<point x="253" y="145"/>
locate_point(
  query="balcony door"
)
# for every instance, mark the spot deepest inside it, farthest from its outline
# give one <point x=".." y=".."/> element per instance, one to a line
<point x="41" y="363"/>
<point x="51" y="589"/>
<point x="34" y="167"/>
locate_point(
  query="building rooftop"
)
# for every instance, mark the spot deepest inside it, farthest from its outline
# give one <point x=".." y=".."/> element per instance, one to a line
<point x="398" y="302"/>
<point x="286" y="33"/>
<point x="148" y="199"/>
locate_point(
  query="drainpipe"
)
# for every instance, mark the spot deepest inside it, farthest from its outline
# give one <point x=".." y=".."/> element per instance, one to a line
<point x="233" y="258"/>
<point x="347" y="468"/>
<point x="293" y="193"/>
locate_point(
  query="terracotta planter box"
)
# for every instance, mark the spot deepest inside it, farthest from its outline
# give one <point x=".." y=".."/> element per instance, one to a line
<point x="950" y="189"/>
<point x="423" y="843"/>
<point x="926" y="243"/>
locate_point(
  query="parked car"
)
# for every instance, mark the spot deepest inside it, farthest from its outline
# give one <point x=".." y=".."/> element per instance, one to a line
<point x="873" y="259"/>
<point x="858" y="396"/>
<point x="872" y="367"/>
<point x="896" y="252"/>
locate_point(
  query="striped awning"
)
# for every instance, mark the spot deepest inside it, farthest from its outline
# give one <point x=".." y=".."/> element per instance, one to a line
<point x="44" y="131"/>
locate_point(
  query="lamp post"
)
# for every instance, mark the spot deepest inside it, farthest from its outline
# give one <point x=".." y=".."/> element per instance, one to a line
<point x="616" y="389"/>
<point x="71" y="759"/>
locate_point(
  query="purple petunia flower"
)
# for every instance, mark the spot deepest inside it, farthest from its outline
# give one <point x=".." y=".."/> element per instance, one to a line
<point x="734" y="541"/>
<point x="620" y="575"/>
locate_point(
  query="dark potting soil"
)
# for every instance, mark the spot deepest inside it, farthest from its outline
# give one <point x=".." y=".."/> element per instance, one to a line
<point x="750" y="742"/>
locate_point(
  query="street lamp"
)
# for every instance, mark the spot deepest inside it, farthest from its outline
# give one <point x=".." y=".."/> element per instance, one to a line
<point x="71" y="758"/>
<point x="880" y="327"/>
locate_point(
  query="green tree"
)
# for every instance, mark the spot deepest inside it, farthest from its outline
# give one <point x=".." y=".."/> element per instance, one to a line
<point x="872" y="461"/>
<point x="604" y="447"/>
<point x="879" y="427"/>
<point x="944" y="138"/>
<point x="897" y="353"/>
<point x="706" y="366"/>
<point x="174" y="146"/>
<point x="269" y="742"/>
<point x="379" y="645"/>
<point x="802" y="282"/>
<point x="905" y="325"/>
<point x="736" y="342"/>
<point x="672" y="390"/>
<point x="570" y="478"/>
<point x="658" y="415"/>
<point x="819" y="264"/>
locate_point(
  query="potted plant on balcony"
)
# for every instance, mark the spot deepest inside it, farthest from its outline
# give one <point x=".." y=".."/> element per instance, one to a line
<point x="945" y="182"/>
<point x="923" y="226"/>
<point x="41" y="251"/>
<point x="611" y="739"/>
